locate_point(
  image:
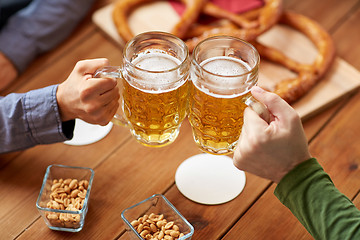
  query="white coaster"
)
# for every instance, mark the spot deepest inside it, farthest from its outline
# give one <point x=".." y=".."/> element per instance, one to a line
<point x="209" y="179"/>
<point x="86" y="133"/>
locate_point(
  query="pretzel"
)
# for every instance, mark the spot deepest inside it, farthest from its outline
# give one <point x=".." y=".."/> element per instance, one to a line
<point x="123" y="8"/>
<point x="307" y="74"/>
<point x="263" y="19"/>
<point x="268" y="15"/>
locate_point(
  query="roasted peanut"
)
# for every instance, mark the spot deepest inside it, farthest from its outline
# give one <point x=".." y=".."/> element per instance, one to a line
<point x="74" y="193"/>
<point x="73" y="184"/>
<point x="67" y="194"/>
<point x="154" y="226"/>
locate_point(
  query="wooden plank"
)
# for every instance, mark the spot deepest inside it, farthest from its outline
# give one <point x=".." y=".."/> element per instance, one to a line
<point x="120" y="183"/>
<point x="347" y="47"/>
<point x="268" y="219"/>
<point x="321" y="10"/>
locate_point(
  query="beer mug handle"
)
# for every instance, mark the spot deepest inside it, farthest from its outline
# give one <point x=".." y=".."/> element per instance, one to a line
<point x="113" y="72"/>
<point x="258" y="107"/>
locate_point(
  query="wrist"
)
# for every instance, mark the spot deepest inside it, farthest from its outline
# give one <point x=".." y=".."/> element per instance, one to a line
<point x="64" y="111"/>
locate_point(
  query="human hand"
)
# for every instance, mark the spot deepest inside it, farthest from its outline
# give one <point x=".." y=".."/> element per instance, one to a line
<point x="94" y="100"/>
<point x="8" y="72"/>
<point x="271" y="150"/>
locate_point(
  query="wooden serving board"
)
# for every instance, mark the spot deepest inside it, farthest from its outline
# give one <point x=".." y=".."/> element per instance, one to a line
<point x="341" y="80"/>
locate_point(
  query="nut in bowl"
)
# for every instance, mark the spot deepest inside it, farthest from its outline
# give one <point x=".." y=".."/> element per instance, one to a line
<point x="156" y="218"/>
<point x="64" y="197"/>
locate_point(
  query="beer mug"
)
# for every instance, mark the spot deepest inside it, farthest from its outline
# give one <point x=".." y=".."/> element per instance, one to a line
<point x="223" y="71"/>
<point x="153" y="87"/>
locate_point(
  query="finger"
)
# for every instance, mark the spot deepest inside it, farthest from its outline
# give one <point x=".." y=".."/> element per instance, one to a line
<point x="100" y="86"/>
<point x="91" y="65"/>
<point x="109" y="112"/>
<point x="275" y="104"/>
<point x="109" y="96"/>
<point x="253" y="123"/>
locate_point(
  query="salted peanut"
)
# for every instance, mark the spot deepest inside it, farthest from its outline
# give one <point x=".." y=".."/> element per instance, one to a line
<point x="55" y="204"/>
<point x="67" y="201"/>
<point x="144" y="233"/>
<point x="181" y="235"/>
<point x="167" y="237"/>
<point x="161" y="235"/>
<point x="140" y="227"/>
<point x="74" y="193"/>
<point x="73" y="184"/>
<point x="52" y="216"/>
<point x="157" y="226"/>
<point x="169" y="225"/>
<point x="62" y="196"/>
<point x="160" y="223"/>
<point x="59" y="190"/>
<point x="55" y="186"/>
<point x="86" y="184"/>
<point x="150" y="221"/>
<point x="135" y="223"/>
<point x="67" y="181"/>
<point x="82" y="194"/>
<point x="152" y="216"/>
<point x="176" y="227"/>
<point x="69" y="195"/>
<point x="77" y="206"/>
<point x="67" y="189"/>
<point x="174" y="233"/>
<point x="153" y="227"/>
<point x="59" y="200"/>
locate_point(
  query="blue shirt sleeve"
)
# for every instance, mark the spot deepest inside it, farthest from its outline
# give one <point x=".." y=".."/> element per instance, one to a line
<point x="28" y="119"/>
<point x="39" y="27"/>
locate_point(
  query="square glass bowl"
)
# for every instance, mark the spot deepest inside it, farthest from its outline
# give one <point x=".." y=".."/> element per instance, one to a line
<point x="58" y="219"/>
<point x="157" y="204"/>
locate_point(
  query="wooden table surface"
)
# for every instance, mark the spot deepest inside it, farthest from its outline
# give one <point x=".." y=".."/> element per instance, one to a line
<point x="127" y="172"/>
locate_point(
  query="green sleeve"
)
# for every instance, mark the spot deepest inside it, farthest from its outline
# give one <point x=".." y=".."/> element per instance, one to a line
<point x="312" y="197"/>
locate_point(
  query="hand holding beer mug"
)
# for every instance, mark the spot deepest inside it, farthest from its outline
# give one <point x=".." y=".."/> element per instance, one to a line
<point x="223" y="71"/>
<point x="154" y="91"/>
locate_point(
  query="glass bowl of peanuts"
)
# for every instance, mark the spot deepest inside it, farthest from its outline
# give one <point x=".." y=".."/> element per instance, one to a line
<point x="156" y="218"/>
<point x="64" y="197"/>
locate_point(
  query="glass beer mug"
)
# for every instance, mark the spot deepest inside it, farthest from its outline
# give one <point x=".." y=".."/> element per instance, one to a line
<point x="223" y="71"/>
<point x="154" y="87"/>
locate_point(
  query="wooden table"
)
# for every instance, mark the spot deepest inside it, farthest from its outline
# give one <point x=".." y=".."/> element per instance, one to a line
<point x="126" y="172"/>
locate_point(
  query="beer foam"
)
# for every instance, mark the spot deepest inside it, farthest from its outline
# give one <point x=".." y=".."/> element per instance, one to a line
<point x="155" y="60"/>
<point x="159" y="70"/>
<point x="227" y="76"/>
<point x="225" y="66"/>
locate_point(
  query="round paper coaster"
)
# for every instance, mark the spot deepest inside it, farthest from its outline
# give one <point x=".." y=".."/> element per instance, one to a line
<point x="209" y="179"/>
<point x="86" y="133"/>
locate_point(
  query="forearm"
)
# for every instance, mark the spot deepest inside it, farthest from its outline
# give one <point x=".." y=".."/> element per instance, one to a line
<point x="31" y="118"/>
<point x="39" y="27"/>
<point x="312" y="197"/>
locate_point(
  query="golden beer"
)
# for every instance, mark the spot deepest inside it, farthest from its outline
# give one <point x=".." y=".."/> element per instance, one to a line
<point x="155" y="104"/>
<point x="216" y="110"/>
